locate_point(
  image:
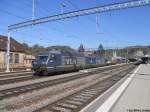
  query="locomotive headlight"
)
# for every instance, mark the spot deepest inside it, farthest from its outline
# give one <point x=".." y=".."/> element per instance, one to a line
<point x="43" y="62"/>
<point x="34" y="62"/>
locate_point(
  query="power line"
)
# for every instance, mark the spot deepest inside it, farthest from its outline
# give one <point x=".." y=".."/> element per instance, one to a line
<point x="4" y="30"/>
<point x="17" y="5"/>
<point x="45" y="10"/>
<point x="12" y="14"/>
<point x="89" y="18"/>
<point x="92" y="20"/>
<point x="42" y="9"/>
<point x="75" y="6"/>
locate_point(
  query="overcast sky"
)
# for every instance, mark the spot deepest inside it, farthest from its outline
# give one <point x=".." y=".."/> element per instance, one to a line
<point x="116" y="29"/>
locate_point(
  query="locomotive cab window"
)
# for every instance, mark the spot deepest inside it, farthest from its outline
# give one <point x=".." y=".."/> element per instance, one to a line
<point x="43" y="58"/>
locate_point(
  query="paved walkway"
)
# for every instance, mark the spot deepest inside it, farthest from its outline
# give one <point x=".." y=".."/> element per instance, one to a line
<point x="136" y="98"/>
<point x="131" y="94"/>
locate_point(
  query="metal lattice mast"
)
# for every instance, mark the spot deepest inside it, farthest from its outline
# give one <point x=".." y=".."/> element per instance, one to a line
<point x="100" y="9"/>
<point x="33" y="9"/>
<point x="8" y="53"/>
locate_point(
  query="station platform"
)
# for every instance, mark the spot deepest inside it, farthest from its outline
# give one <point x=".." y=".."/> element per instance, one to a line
<point x="131" y="94"/>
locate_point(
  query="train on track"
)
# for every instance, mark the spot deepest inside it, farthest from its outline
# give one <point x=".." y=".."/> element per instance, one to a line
<point x="60" y="61"/>
<point x="143" y="60"/>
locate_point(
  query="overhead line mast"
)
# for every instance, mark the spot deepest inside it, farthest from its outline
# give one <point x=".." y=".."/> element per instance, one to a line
<point x="33" y="9"/>
<point x="88" y="11"/>
<point x="99" y="9"/>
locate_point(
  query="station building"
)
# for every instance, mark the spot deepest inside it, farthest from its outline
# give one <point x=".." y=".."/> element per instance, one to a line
<point x="18" y="58"/>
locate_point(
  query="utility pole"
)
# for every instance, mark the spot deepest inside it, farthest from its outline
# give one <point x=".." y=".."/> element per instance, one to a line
<point x="8" y="53"/>
<point x="97" y="23"/>
<point x="62" y="7"/>
<point x="33" y="9"/>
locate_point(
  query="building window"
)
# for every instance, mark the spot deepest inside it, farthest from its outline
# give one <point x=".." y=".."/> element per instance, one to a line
<point x="11" y="58"/>
<point x="16" y="58"/>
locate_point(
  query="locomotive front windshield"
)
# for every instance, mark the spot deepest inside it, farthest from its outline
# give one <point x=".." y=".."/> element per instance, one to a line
<point x="43" y="58"/>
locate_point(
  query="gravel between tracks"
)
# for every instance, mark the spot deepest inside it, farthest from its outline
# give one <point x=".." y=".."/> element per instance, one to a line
<point x="15" y="73"/>
<point x="14" y="77"/>
<point x="8" y="86"/>
<point x="31" y="101"/>
<point x="39" y="98"/>
<point x="18" y="84"/>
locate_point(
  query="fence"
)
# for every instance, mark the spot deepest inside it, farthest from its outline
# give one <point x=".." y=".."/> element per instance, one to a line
<point x="15" y="66"/>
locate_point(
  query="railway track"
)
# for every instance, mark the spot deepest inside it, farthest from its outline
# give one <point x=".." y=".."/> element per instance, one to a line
<point x="17" y="77"/>
<point x="14" y="77"/>
<point x="14" y="73"/>
<point x="29" y="88"/>
<point x="78" y="100"/>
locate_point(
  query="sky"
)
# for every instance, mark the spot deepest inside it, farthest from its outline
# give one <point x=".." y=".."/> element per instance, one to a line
<point x="120" y="28"/>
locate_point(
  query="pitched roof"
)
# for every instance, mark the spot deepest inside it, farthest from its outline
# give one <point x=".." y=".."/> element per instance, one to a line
<point x="14" y="45"/>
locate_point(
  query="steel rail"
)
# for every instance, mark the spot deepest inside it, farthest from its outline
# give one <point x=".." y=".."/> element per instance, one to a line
<point x="28" y="88"/>
<point x="78" y="100"/>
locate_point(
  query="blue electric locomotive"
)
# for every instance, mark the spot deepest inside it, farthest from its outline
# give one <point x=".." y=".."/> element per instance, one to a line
<point x="58" y="61"/>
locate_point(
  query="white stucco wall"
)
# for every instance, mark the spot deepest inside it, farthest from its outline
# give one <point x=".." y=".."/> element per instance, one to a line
<point x="2" y="57"/>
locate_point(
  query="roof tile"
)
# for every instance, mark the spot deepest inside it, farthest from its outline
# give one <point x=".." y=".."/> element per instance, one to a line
<point x="14" y="45"/>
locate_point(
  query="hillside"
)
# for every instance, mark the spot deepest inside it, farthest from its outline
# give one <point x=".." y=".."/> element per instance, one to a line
<point x="36" y="49"/>
<point x="61" y="48"/>
<point x="130" y="50"/>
